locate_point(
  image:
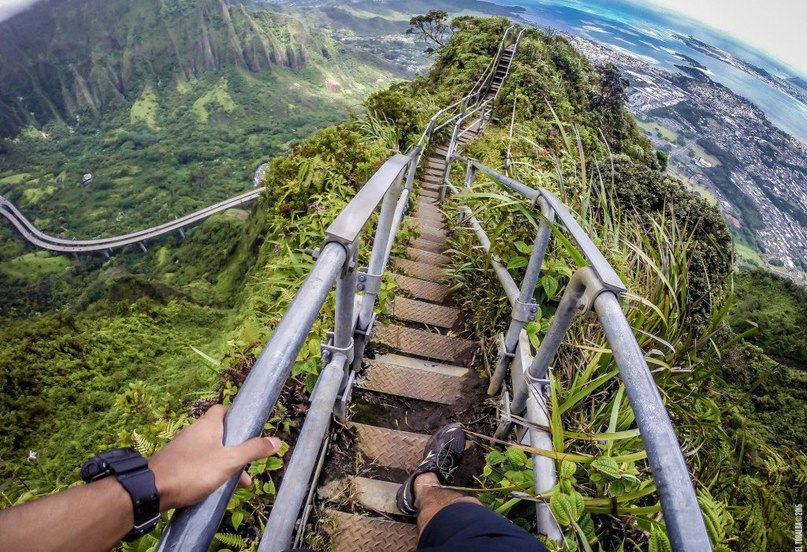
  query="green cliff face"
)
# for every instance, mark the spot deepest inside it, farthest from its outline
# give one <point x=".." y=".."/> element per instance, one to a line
<point x="169" y="105"/>
<point x="67" y="59"/>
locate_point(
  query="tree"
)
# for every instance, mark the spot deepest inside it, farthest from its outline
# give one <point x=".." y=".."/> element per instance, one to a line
<point x="432" y="28"/>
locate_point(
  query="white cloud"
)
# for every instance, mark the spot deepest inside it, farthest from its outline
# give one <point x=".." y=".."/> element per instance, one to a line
<point x="773" y="26"/>
<point x="9" y="8"/>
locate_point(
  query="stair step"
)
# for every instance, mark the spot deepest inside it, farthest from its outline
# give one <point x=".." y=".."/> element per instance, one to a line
<point x="351" y="532"/>
<point x="430" y="216"/>
<point x="413" y="382"/>
<point x="371" y="494"/>
<point x="431" y="223"/>
<point x="412" y="310"/>
<point x="431" y="242"/>
<point x="425" y="256"/>
<point x="428" y="206"/>
<point x="425" y="344"/>
<point x="429" y="193"/>
<point x="433" y="234"/>
<point x="415" y="269"/>
<point x="390" y="448"/>
<point x="422" y="289"/>
<point x="432" y="226"/>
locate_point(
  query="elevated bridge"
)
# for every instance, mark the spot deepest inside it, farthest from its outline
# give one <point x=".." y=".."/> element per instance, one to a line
<point x="106" y="245"/>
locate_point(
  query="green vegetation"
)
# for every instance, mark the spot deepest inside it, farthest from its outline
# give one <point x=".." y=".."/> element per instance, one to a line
<point x="777" y="308"/>
<point x="143" y="344"/>
<point x="675" y="253"/>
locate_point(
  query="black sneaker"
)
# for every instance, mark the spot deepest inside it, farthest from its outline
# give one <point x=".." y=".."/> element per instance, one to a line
<point x="441" y="457"/>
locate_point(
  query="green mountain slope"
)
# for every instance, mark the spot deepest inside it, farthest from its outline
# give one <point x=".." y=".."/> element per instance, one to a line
<point x="169" y="105"/>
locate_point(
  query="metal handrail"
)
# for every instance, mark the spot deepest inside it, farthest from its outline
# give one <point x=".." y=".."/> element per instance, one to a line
<point x="193" y="528"/>
<point x="31" y="233"/>
<point x="473" y="94"/>
<point x="595" y="287"/>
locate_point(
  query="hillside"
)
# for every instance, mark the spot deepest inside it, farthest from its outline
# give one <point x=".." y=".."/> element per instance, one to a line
<point x="170" y="106"/>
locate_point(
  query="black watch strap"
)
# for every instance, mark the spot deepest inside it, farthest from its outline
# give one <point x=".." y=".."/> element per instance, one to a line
<point x="133" y="473"/>
<point x="142" y="488"/>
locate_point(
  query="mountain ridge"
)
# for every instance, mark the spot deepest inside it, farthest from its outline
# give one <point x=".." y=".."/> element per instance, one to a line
<point x="60" y="60"/>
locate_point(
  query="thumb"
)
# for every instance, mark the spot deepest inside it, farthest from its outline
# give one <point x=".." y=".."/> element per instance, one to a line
<point x="257" y="447"/>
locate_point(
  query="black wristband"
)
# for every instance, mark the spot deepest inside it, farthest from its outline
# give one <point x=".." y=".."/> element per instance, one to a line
<point x="145" y="501"/>
<point x="133" y="473"/>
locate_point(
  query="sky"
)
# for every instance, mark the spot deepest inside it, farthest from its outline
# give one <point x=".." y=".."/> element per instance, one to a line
<point x="12" y="7"/>
<point x="777" y="27"/>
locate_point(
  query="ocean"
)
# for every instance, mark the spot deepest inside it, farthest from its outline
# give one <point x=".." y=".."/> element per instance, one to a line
<point x="650" y="35"/>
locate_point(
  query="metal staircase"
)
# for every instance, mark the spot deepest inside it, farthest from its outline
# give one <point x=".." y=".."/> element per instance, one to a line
<point x="419" y="368"/>
<point x="425" y="364"/>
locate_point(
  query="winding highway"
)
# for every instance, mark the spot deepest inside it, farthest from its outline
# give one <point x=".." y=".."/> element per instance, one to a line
<point x="60" y="245"/>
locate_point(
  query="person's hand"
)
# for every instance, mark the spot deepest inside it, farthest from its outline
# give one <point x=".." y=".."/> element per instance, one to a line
<point x="195" y="463"/>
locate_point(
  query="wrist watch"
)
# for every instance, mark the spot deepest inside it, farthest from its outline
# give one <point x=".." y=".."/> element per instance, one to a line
<point x="133" y="473"/>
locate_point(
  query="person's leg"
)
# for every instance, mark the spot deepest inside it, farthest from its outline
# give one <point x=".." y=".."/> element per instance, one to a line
<point x="448" y="521"/>
<point x="431" y="497"/>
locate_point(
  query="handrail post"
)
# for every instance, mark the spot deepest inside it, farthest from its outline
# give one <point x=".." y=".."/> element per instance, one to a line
<point x="525" y="296"/>
<point x="585" y="279"/>
<point x="470" y="173"/>
<point x="344" y="321"/>
<point x="369" y="281"/>
<point x="679" y="503"/>
<point x="451" y="145"/>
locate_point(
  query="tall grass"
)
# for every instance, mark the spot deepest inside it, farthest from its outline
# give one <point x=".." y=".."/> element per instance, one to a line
<point x="606" y="496"/>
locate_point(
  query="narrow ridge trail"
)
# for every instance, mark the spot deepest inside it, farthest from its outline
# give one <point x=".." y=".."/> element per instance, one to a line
<point x="421" y="378"/>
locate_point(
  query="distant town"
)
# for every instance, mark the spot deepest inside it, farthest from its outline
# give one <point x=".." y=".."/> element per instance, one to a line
<point x="727" y="150"/>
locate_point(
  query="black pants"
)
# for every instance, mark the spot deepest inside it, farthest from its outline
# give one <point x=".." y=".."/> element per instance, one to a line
<point x="467" y="527"/>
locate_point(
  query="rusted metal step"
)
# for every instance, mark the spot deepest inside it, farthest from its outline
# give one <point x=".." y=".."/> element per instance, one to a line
<point x="410" y="383"/>
<point x="433" y="235"/>
<point x="434" y="226"/>
<point x="428" y="208"/>
<point x="434" y="243"/>
<point x="430" y="215"/>
<point x="351" y="532"/>
<point x="371" y="494"/>
<point x="412" y="310"/>
<point x="425" y="344"/>
<point x="422" y="289"/>
<point x="419" y="270"/>
<point x="390" y="448"/>
<point x="425" y="256"/>
<point x="432" y="230"/>
<point x="430" y="220"/>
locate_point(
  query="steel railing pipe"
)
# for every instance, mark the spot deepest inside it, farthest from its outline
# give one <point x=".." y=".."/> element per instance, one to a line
<point x="378" y="256"/>
<point x="192" y="529"/>
<point x="590" y="251"/>
<point x="568" y="307"/>
<point x="679" y="503"/>
<point x="280" y="526"/>
<point x="526" y="293"/>
<point x="506" y="280"/>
